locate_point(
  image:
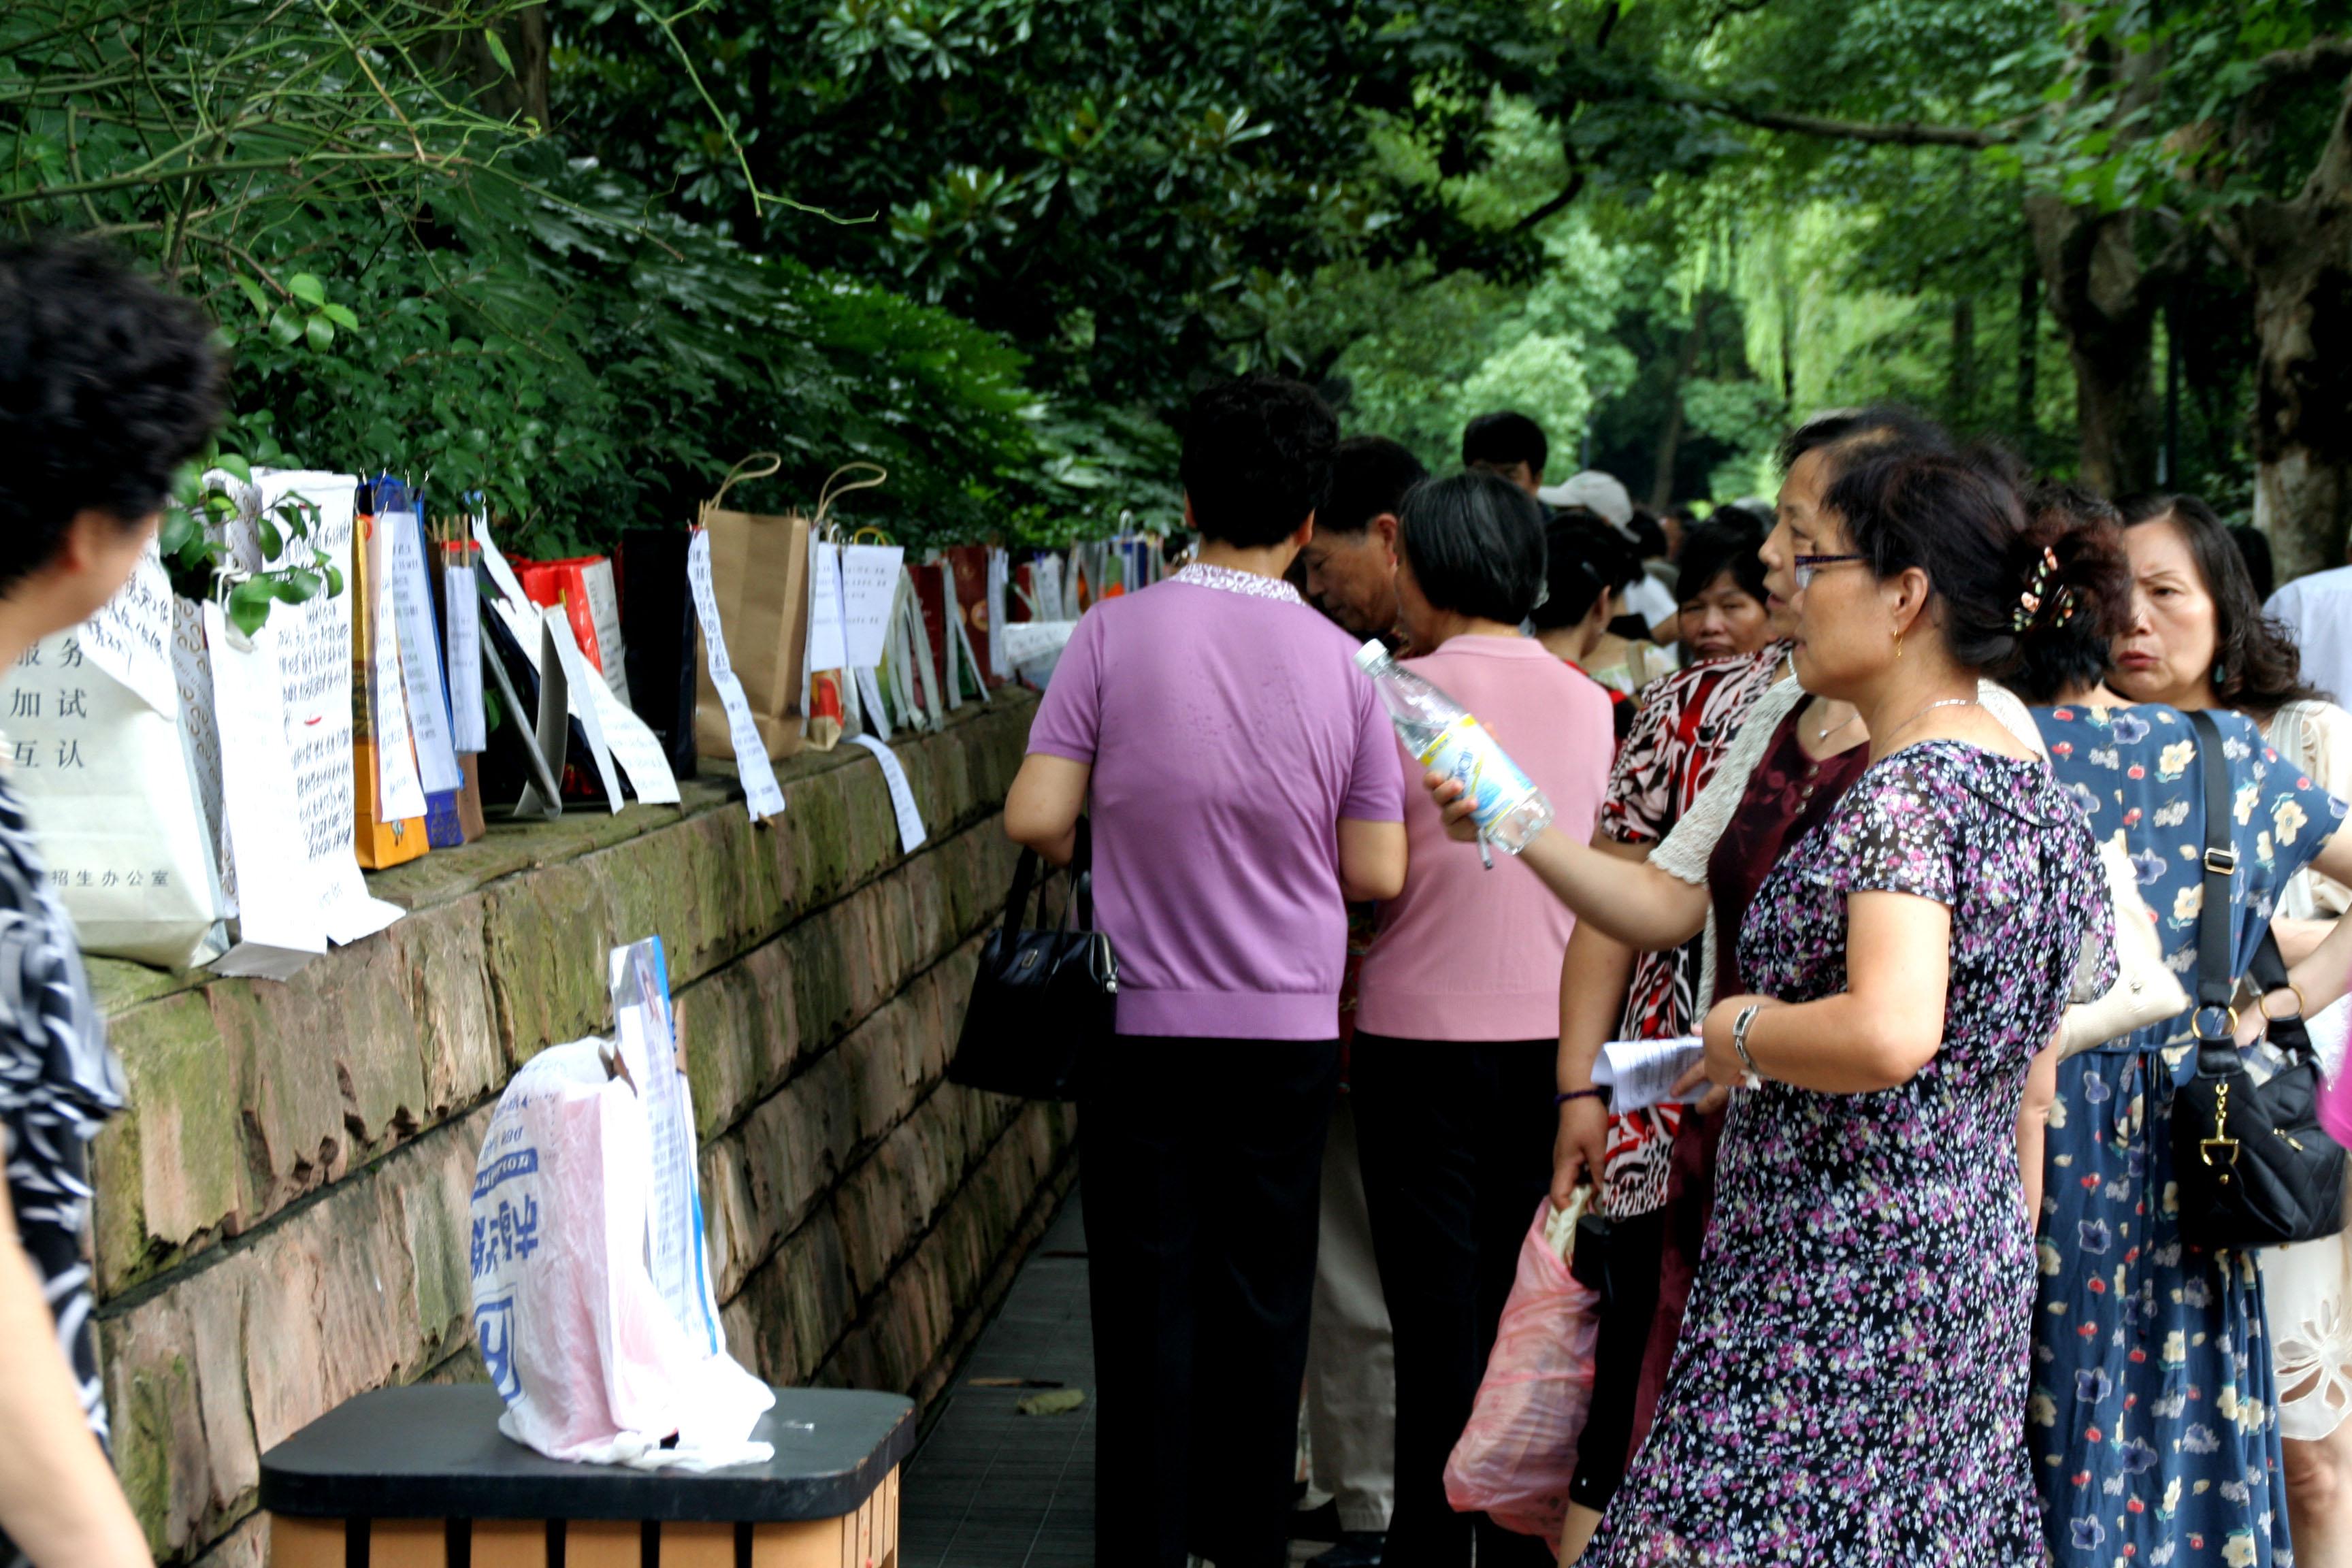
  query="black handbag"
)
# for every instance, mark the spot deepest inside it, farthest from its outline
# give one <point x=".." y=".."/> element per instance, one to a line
<point x="1041" y="997"/>
<point x="2253" y="1167"/>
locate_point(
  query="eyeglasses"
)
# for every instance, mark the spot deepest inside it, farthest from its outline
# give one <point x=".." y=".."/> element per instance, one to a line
<point x="1804" y="566"/>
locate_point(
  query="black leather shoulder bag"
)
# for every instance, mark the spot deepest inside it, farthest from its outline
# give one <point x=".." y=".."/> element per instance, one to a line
<point x="2254" y="1168"/>
<point x="1041" y="997"/>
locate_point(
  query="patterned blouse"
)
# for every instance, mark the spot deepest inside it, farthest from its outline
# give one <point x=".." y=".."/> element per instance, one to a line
<point x="58" y="1083"/>
<point x="1686" y="725"/>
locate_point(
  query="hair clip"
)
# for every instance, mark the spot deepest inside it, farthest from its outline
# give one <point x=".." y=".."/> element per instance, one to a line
<point x="2028" y="605"/>
<point x="2067" y="603"/>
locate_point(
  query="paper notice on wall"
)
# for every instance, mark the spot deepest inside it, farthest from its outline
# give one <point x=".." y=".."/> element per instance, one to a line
<point x="131" y="636"/>
<point x="314" y="652"/>
<point x="514" y="607"/>
<point x="762" y="794"/>
<point x="911" y="831"/>
<point x="634" y="745"/>
<point x="1639" y="1074"/>
<point x="1000" y="579"/>
<point x="279" y="924"/>
<point x="869" y="696"/>
<point x="557" y="648"/>
<point x="646" y="1039"/>
<point x="400" y="793"/>
<point x="604" y="620"/>
<point x="401" y="540"/>
<point x="869" y="583"/>
<point x="200" y="733"/>
<point x="468" y="721"/>
<point x="828" y="646"/>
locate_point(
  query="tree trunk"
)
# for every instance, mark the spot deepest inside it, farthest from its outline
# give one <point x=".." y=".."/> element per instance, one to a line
<point x="2299" y="255"/>
<point x="2103" y="298"/>
<point x="1661" y="481"/>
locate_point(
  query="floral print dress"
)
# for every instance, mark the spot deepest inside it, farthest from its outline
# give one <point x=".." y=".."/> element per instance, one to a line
<point x="2154" y="1420"/>
<point x="1851" y="1382"/>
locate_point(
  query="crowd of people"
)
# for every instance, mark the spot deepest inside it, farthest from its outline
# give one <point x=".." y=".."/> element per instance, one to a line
<point x="1830" y="783"/>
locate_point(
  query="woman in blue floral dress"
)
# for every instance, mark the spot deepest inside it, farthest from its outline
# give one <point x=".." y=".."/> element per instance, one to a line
<point x="2153" y="1421"/>
<point x="1849" y="1384"/>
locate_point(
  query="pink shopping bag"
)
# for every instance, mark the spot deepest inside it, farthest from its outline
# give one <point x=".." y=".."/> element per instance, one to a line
<point x="1518" y="1455"/>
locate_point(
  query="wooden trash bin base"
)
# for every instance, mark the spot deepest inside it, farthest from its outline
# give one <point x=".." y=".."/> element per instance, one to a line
<point x="407" y="1475"/>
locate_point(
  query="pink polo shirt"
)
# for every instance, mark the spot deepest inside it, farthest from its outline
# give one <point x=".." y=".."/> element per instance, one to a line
<point x="1465" y="953"/>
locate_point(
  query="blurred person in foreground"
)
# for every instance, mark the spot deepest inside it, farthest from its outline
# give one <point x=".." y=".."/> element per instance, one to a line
<point x="1241" y="781"/>
<point x="107" y="385"/>
<point x="1452" y="1064"/>
<point x="2316" y="610"/>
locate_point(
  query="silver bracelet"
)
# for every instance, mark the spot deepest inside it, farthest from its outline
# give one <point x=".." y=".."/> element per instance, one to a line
<point x="1748" y="1076"/>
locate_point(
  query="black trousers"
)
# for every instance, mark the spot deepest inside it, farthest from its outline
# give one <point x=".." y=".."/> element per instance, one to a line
<point x="1457" y="1144"/>
<point x="1629" y="1305"/>
<point x="1202" y="1168"/>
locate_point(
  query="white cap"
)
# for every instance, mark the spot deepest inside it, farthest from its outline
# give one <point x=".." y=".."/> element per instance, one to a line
<point x="1372" y="655"/>
<point x="1597" y="492"/>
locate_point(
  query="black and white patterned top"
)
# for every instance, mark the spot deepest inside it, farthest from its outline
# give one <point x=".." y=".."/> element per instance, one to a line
<point x="58" y="1083"/>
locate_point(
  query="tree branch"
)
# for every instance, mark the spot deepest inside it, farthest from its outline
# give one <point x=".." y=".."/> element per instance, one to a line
<point x="1890" y="134"/>
<point x="2318" y="57"/>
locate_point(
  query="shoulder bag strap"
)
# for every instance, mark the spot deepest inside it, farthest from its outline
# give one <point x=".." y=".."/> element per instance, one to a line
<point x="2217" y="982"/>
<point x="1082" y="878"/>
<point x="2268" y="971"/>
<point x="1017" y="907"/>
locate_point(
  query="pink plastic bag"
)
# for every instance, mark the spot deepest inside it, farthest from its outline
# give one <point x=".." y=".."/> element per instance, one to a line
<point x="1518" y="1455"/>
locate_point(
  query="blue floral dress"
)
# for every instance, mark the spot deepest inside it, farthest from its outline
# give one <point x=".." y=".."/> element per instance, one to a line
<point x="2153" y="1423"/>
<point x="1849" y="1384"/>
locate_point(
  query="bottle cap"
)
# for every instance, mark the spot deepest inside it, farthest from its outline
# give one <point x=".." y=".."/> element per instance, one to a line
<point x="1372" y="655"/>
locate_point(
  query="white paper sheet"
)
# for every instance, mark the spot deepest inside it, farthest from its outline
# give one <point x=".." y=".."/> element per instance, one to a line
<point x="634" y="745"/>
<point x="470" y="722"/>
<point x="279" y="927"/>
<point x="828" y="644"/>
<point x="869" y="694"/>
<point x="131" y="636"/>
<point x="502" y="575"/>
<point x="869" y="582"/>
<point x="647" y="1042"/>
<point x="400" y="793"/>
<point x="1641" y="1073"/>
<point x="402" y="540"/>
<point x="200" y="733"/>
<point x="911" y="831"/>
<point x="604" y="618"/>
<point x="762" y="794"/>
<point x="315" y="656"/>
<point x="558" y="648"/>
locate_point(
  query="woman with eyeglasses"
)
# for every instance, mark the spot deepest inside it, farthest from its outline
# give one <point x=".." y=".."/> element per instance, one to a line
<point x="1851" y="1376"/>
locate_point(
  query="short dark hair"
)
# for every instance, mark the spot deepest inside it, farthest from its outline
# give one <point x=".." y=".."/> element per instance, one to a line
<point x="1257" y="459"/>
<point x="1648" y="537"/>
<point x="1370" y="475"/>
<point x="1726" y="542"/>
<point x="1585" y="558"/>
<point x="1503" y="439"/>
<point x="1475" y="544"/>
<point x="107" y="385"/>
<point x="1846" y="435"/>
<point x="2087" y="596"/>
<point x="2260" y="666"/>
<point x="1961" y="522"/>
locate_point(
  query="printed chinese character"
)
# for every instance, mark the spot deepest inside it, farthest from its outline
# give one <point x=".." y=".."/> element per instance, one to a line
<point x="25" y="705"/>
<point x="24" y="753"/>
<point x="109" y="879"/>
<point x="136" y="879"/>
<point x="74" y="704"/>
<point x="81" y="879"/>
<point x="30" y="657"/>
<point x="69" y="753"/>
<point x="72" y="659"/>
<point x="60" y="878"/>
<point x="163" y="878"/>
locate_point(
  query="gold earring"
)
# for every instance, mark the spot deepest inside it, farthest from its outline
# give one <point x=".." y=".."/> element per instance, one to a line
<point x="1898" y="643"/>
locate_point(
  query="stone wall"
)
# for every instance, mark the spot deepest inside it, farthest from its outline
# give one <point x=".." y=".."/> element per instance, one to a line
<point x="282" y="1212"/>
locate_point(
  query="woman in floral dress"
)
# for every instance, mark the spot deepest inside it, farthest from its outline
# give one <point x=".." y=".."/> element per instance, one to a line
<point x="1849" y="1384"/>
<point x="2153" y="1421"/>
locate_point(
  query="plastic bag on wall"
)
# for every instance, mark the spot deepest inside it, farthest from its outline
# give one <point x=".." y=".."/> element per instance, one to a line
<point x="94" y="746"/>
<point x="592" y="1362"/>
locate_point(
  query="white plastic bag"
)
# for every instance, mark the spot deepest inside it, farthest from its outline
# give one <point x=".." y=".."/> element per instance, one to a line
<point x="592" y="1362"/>
<point x="1518" y="1455"/>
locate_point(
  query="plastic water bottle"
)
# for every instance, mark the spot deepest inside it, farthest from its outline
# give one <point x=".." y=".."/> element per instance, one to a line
<point x="1508" y="807"/>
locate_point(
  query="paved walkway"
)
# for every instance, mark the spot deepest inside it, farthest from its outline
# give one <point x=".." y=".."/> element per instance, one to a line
<point x="991" y="1487"/>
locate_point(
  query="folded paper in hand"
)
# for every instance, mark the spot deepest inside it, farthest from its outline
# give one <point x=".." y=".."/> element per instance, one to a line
<point x="1641" y="1073"/>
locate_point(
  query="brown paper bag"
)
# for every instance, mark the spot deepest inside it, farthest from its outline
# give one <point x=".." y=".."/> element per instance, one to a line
<point x="758" y="575"/>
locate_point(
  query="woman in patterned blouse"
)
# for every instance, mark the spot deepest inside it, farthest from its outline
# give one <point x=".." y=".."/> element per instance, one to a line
<point x="106" y="386"/>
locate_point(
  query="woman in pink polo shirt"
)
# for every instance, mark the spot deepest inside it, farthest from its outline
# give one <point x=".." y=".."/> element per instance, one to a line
<point x="1458" y="1023"/>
